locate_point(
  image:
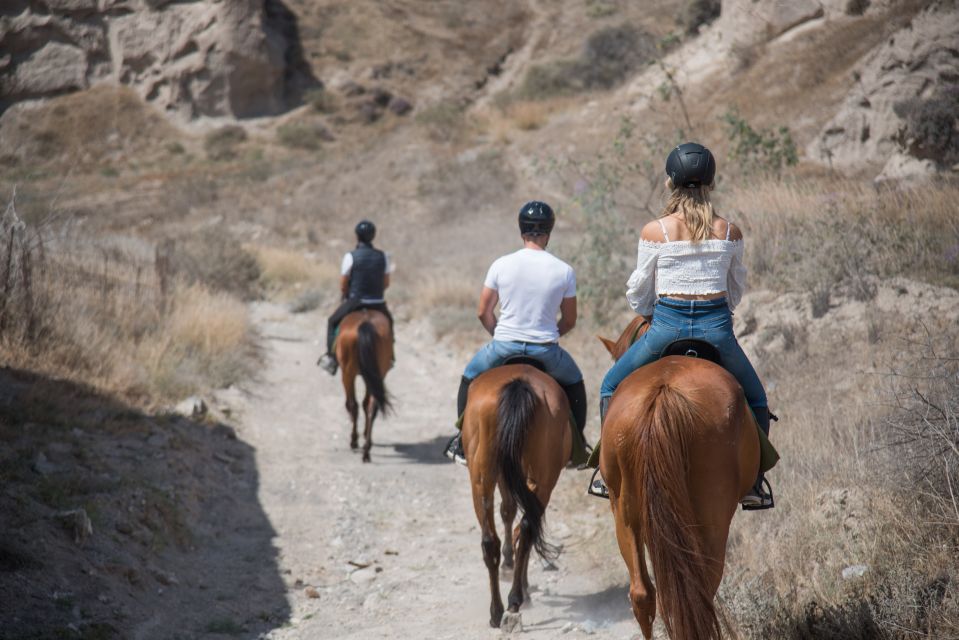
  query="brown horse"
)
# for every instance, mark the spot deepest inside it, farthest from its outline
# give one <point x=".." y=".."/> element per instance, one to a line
<point x="364" y="347"/>
<point x="516" y="436"/>
<point x="679" y="450"/>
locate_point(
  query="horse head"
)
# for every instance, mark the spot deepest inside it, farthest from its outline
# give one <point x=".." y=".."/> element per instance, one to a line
<point x="630" y="334"/>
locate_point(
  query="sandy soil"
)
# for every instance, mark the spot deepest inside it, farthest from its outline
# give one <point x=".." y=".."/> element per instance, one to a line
<point x="392" y="548"/>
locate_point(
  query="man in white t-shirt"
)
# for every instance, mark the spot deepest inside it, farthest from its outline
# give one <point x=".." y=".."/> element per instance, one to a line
<point x="364" y="277"/>
<point x="532" y="287"/>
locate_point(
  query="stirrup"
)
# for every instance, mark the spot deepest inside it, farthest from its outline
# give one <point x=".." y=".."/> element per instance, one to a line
<point x="760" y="498"/>
<point x="597" y="486"/>
<point x="454" y="450"/>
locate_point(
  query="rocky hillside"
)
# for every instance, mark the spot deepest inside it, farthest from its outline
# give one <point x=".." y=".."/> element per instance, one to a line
<point x="237" y="58"/>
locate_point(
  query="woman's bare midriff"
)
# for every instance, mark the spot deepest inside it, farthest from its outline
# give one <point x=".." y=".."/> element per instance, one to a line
<point x="694" y="296"/>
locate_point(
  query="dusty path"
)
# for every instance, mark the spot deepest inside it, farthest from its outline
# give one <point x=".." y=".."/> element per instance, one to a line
<point x="407" y="517"/>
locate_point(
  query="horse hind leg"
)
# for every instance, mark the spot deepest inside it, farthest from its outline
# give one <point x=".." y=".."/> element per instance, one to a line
<point x="369" y="412"/>
<point x="642" y="594"/>
<point x="507" y="511"/>
<point x="483" y="506"/>
<point x="352" y="407"/>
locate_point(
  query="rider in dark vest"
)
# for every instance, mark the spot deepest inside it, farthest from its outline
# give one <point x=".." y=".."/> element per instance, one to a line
<point x="364" y="277"/>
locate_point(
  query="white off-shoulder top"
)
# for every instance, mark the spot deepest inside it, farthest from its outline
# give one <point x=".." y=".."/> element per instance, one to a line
<point x="686" y="267"/>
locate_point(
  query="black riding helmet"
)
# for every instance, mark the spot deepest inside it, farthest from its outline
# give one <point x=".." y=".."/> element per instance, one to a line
<point x="365" y="231"/>
<point x="536" y="218"/>
<point x="691" y="165"/>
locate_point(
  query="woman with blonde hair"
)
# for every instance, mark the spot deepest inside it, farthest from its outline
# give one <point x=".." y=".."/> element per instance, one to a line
<point x="689" y="277"/>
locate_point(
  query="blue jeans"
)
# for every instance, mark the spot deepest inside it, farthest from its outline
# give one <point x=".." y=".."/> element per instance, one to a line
<point x="709" y="320"/>
<point x="557" y="362"/>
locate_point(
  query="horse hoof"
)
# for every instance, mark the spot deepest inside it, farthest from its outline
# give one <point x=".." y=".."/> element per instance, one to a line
<point x="366" y="457"/>
<point x="511" y="622"/>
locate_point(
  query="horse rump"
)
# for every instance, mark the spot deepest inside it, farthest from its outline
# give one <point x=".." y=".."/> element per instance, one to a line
<point x="515" y="413"/>
<point x="368" y="341"/>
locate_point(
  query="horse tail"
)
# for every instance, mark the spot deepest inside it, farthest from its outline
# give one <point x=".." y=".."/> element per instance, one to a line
<point x="515" y="412"/>
<point x="661" y="449"/>
<point x="367" y="341"/>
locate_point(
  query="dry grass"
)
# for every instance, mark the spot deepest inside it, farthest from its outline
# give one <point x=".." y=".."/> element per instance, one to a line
<point x="107" y="312"/>
<point x="817" y="234"/>
<point x="285" y="269"/>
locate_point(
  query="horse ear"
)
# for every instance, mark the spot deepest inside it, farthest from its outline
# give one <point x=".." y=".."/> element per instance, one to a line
<point x="609" y="344"/>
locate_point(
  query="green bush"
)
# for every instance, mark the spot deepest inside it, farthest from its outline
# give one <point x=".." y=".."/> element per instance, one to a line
<point x="221" y="143"/>
<point x="759" y="151"/>
<point x="609" y="57"/>
<point x="696" y="13"/>
<point x="931" y="125"/>
<point x="303" y="135"/>
<point x="321" y="100"/>
<point x="216" y="259"/>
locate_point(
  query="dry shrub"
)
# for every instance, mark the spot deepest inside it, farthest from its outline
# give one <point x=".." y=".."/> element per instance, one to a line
<point x="815" y="236"/>
<point x="215" y="259"/>
<point x="863" y="541"/>
<point x="221" y="143"/>
<point x="282" y="269"/>
<point x="444" y="121"/>
<point x="610" y="55"/>
<point x="528" y="116"/>
<point x="203" y="342"/>
<point x="88" y="126"/>
<point x="107" y="312"/>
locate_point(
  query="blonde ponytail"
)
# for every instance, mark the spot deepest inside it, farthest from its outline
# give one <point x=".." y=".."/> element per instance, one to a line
<point x="694" y="205"/>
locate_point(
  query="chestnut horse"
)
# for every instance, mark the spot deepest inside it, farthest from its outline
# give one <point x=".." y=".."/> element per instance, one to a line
<point x="364" y="347"/>
<point x="679" y="450"/>
<point x="516" y="435"/>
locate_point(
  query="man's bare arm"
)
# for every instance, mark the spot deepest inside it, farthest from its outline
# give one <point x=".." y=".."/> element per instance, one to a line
<point x="487" y="305"/>
<point x="567" y="315"/>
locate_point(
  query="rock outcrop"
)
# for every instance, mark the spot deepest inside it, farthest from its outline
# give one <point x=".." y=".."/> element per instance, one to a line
<point x="195" y="58"/>
<point x="915" y="62"/>
<point x="745" y="23"/>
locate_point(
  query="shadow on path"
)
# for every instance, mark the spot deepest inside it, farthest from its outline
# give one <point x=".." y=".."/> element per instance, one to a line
<point x="115" y="523"/>
<point x="427" y="452"/>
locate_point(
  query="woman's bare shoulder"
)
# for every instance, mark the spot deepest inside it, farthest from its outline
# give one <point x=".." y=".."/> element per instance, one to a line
<point x="653" y="232"/>
<point x="720" y="224"/>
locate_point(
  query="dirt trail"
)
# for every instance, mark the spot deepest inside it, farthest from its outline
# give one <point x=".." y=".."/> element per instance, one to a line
<point x="407" y="517"/>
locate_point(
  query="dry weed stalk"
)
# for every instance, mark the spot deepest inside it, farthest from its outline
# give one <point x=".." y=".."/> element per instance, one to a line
<point x="84" y="309"/>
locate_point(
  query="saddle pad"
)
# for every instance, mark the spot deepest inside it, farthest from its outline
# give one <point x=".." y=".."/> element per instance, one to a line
<point x="768" y="456"/>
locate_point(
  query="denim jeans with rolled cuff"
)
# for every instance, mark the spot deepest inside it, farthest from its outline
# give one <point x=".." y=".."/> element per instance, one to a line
<point x="709" y="320"/>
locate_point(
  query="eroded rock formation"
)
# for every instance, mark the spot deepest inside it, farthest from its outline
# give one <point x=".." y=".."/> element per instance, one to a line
<point x="236" y="58"/>
<point x="914" y="63"/>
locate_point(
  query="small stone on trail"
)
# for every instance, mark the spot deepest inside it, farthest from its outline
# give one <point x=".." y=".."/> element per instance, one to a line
<point x="854" y="571"/>
<point x="363" y="576"/>
<point x="123" y="527"/>
<point x="43" y="466"/>
<point x="78" y="523"/>
<point x="391" y="552"/>
<point x="312" y="593"/>
<point x="192" y="407"/>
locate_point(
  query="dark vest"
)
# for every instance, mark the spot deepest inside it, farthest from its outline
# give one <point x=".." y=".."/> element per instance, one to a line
<point x="366" y="277"/>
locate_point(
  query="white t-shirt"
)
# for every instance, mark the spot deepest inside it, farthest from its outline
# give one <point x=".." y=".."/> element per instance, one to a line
<point x="531" y="285"/>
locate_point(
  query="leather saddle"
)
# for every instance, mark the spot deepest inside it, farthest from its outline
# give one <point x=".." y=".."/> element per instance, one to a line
<point x="693" y="348"/>
<point x="533" y="362"/>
